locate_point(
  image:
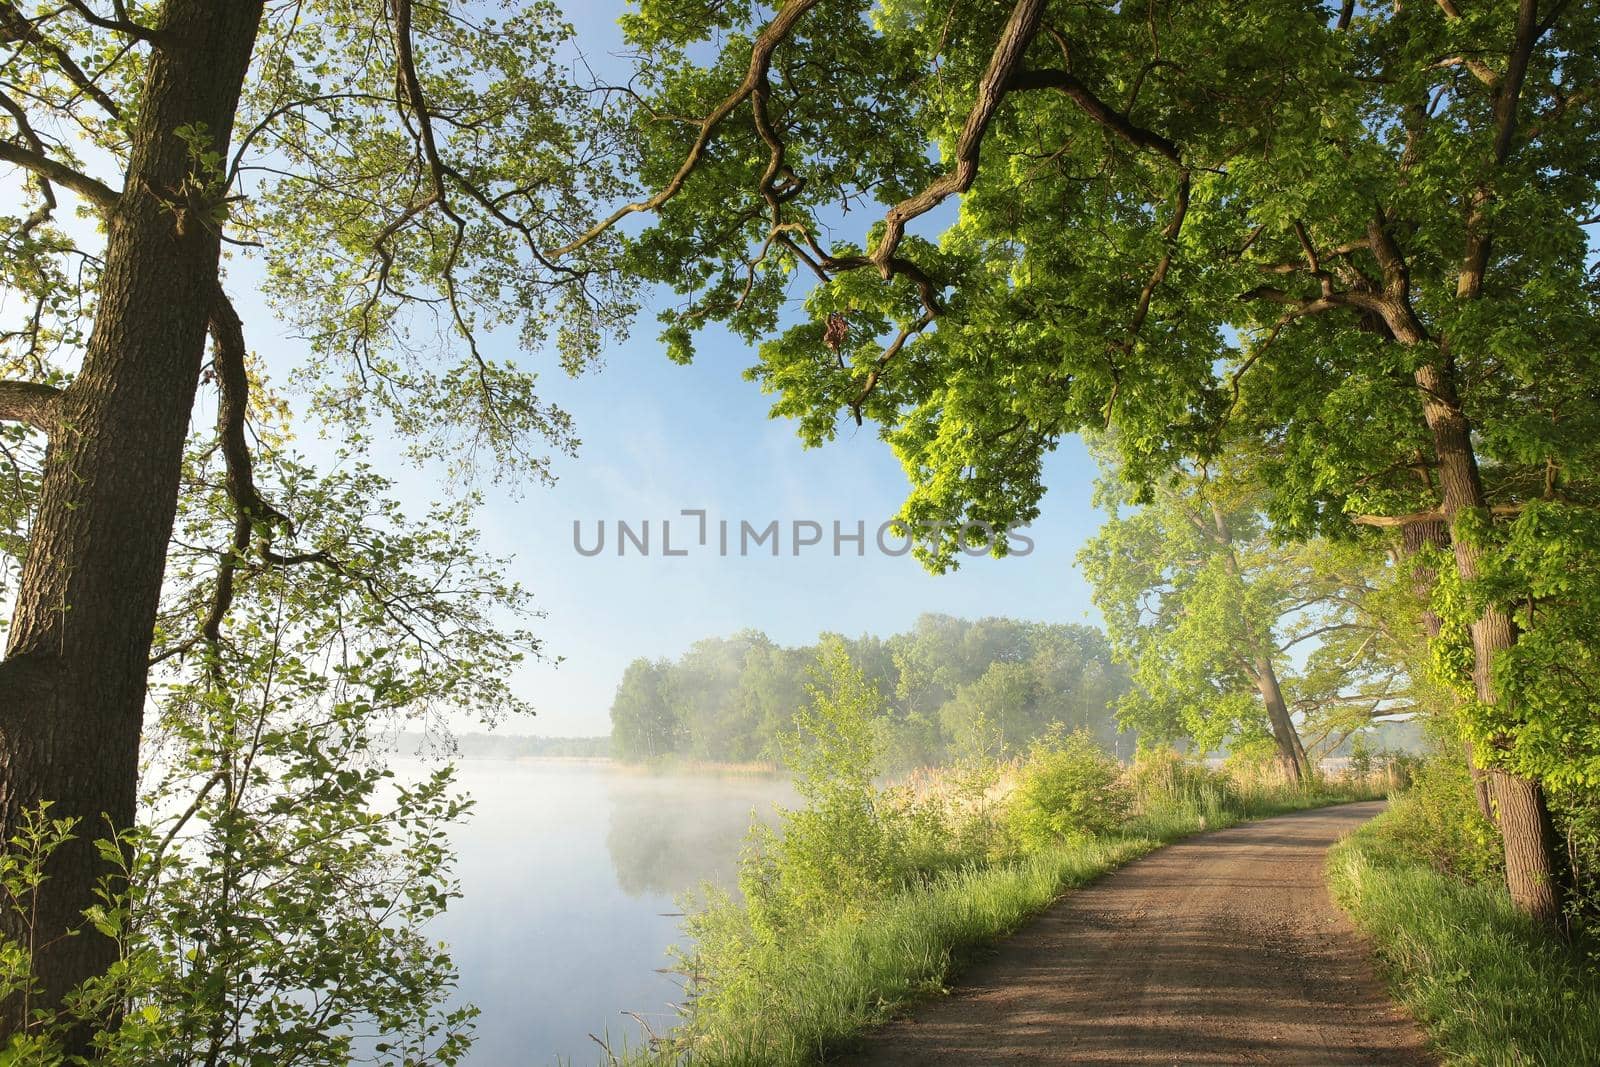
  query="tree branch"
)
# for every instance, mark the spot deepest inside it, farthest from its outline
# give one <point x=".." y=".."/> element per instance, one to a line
<point x="14" y="26"/>
<point x="102" y="196"/>
<point x="1098" y="110"/>
<point x="1418" y="517"/>
<point x="1301" y="307"/>
<point x="992" y="87"/>
<point x="120" y="24"/>
<point x="1391" y="521"/>
<point x="233" y="408"/>
<point x="760" y="63"/>
<point x="1480" y="70"/>
<point x="32" y="403"/>
<point x="1507" y="95"/>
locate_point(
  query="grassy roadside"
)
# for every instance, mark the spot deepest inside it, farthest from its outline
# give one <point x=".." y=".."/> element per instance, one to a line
<point x="1489" y="987"/>
<point x="790" y="1005"/>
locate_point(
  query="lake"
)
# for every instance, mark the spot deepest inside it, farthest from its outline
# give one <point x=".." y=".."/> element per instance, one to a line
<point x="571" y="874"/>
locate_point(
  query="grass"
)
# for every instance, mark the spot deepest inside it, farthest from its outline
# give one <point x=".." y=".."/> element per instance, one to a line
<point x="1489" y="986"/>
<point x="852" y="975"/>
<point x="792" y="1005"/>
<point x="677" y="764"/>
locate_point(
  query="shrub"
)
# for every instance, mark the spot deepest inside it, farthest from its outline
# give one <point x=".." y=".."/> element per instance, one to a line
<point x="1437" y="820"/>
<point x="1169" y="788"/>
<point x="853" y="843"/>
<point x="1253" y="755"/>
<point x="1577" y="818"/>
<point x="1360" y="756"/>
<point x="842" y="846"/>
<point x="1068" y="787"/>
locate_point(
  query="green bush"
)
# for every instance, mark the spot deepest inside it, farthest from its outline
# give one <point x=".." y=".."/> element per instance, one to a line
<point x="853" y="843"/>
<point x="1576" y="811"/>
<point x="1437" y="820"/>
<point x="840" y="848"/>
<point x="1068" y="787"/>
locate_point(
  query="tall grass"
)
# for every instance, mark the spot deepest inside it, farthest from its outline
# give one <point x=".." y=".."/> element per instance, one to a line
<point x="791" y="1003"/>
<point x="1489" y="985"/>
<point x="788" y="1001"/>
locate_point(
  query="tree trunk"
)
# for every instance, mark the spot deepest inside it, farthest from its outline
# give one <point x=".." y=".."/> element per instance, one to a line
<point x="1531" y="846"/>
<point x="1532" y="859"/>
<point x="1414" y="537"/>
<point x="1306" y="767"/>
<point x="1524" y="819"/>
<point x="72" y="688"/>
<point x="1291" y="755"/>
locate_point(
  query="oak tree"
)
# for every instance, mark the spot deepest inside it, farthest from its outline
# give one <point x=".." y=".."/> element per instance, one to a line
<point x="1360" y="228"/>
<point x="1227" y="627"/>
<point x="395" y="170"/>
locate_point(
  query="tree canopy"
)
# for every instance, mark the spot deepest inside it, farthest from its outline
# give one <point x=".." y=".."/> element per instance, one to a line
<point x="1360" y="231"/>
<point x="1231" y="632"/>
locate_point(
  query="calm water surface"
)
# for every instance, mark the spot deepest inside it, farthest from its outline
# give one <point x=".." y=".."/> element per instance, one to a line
<point x="570" y="873"/>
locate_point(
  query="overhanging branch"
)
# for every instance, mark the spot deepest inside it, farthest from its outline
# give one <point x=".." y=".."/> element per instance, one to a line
<point x="1097" y="109"/>
<point x="1419" y="517"/>
<point x="992" y="88"/>
<point x="101" y="195"/>
<point x="755" y="76"/>
<point x="32" y="403"/>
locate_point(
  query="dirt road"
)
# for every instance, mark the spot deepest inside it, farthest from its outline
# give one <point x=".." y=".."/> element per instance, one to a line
<point x="1223" y="949"/>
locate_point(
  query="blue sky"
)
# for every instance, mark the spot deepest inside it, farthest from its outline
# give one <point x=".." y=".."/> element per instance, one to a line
<point x="657" y="438"/>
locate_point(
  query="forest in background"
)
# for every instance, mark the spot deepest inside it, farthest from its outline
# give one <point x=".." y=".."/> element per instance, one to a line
<point x="951" y="688"/>
<point x="1323" y="277"/>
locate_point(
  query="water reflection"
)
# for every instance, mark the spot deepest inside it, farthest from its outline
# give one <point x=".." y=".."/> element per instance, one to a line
<point x="569" y="873"/>
<point x="668" y="835"/>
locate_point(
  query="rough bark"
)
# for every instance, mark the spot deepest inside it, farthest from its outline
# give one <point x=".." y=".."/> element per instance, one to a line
<point x="1520" y="809"/>
<point x="1414" y="538"/>
<point x="1532" y="850"/>
<point x="72" y="687"/>
<point x="1306" y="768"/>
<point x="31" y="403"/>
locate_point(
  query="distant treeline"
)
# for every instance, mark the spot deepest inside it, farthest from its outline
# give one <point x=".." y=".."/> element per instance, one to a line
<point x="952" y="687"/>
<point x="509" y="746"/>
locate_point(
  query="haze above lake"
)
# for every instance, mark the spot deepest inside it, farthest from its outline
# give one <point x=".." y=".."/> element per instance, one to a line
<point x="571" y="874"/>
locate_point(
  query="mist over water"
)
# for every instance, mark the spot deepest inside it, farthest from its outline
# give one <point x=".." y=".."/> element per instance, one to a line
<point x="570" y="873"/>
